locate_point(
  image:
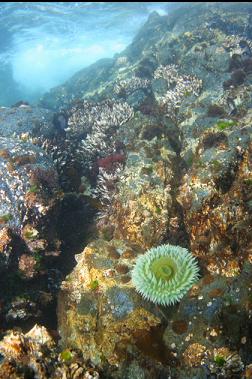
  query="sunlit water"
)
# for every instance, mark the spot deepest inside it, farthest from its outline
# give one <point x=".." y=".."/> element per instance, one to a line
<point x="45" y="43"/>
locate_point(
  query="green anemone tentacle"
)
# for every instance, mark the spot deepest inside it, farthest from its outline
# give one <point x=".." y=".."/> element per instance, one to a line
<point x="165" y="273"/>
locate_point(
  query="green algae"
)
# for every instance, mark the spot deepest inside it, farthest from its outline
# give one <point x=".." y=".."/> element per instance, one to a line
<point x="248" y="182"/>
<point x="6" y="217"/>
<point x="216" y="164"/>
<point x="33" y="189"/>
<point x="66" y="355"/>
<point x="225" y="124"/>
<point x="31" y="234"/>
<point x="38" y="258"/>
<point x="94" y="285"/>
<point x="219" y="360"/>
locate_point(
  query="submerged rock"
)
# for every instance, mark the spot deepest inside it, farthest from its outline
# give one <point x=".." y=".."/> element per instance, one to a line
<point x="158" y="142"/>
<point x="28" y="179"/>
<point x="98" y="298"/>
<point x="200" y="331"/>
<point x="215" y="196"/>
<point x="26" y="121"/>
<point x="187" y="160"/>
<point x="29" y="206"/>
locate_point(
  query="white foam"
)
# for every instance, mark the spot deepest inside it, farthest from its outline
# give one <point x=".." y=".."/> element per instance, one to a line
<point x="54" y="40"/>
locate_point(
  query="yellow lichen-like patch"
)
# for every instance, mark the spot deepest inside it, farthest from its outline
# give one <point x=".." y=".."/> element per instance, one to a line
<point x="89" y="250"/>
<point x="87" y="274"/>
<point x="84" y="339"/>
<point x="194" y="354"/>
<point x="232" y="269"/>
<point x="104" y="281"/>
<point x="81" y="323"/>
<point x="152" y="203"/>
<point x="124" y="330"/>
<point x="223" y="267"/>
<point x="133" y="231"/>
<point x="143" y="220"/>
<point x="99" y="339"/>
<point x="140" y="318"/>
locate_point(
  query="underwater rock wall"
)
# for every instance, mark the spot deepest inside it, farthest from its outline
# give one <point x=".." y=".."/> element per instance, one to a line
<point x="157" y="142"/>
<point x="29" y="207"/>
<point x="185" y="179"/>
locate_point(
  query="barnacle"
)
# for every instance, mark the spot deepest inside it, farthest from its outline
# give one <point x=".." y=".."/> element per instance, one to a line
<point x="179" y="88"/>
<point x="164" y="274"/>
<point x="129" y="86"/>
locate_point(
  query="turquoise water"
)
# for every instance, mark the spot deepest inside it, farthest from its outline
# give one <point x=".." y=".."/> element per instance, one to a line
<point x="43" y="44"/>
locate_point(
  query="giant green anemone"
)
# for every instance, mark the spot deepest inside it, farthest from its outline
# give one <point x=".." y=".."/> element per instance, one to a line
<point x="165" y="273"/>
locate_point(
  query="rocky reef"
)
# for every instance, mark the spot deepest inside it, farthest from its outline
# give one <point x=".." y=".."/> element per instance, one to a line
<point x="151" y="147"/>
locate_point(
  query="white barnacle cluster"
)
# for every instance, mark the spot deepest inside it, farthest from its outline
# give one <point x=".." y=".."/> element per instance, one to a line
<point x="128" y="86"/>
<point x="108" y="116"/>
<point x="106" y="187"/>
<point x="81" y="117"/>
<point x="168" y="73"/>
<point x="86" y="115"/>
<point x="179" y="87"/>
<point x="90" y="133"/>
